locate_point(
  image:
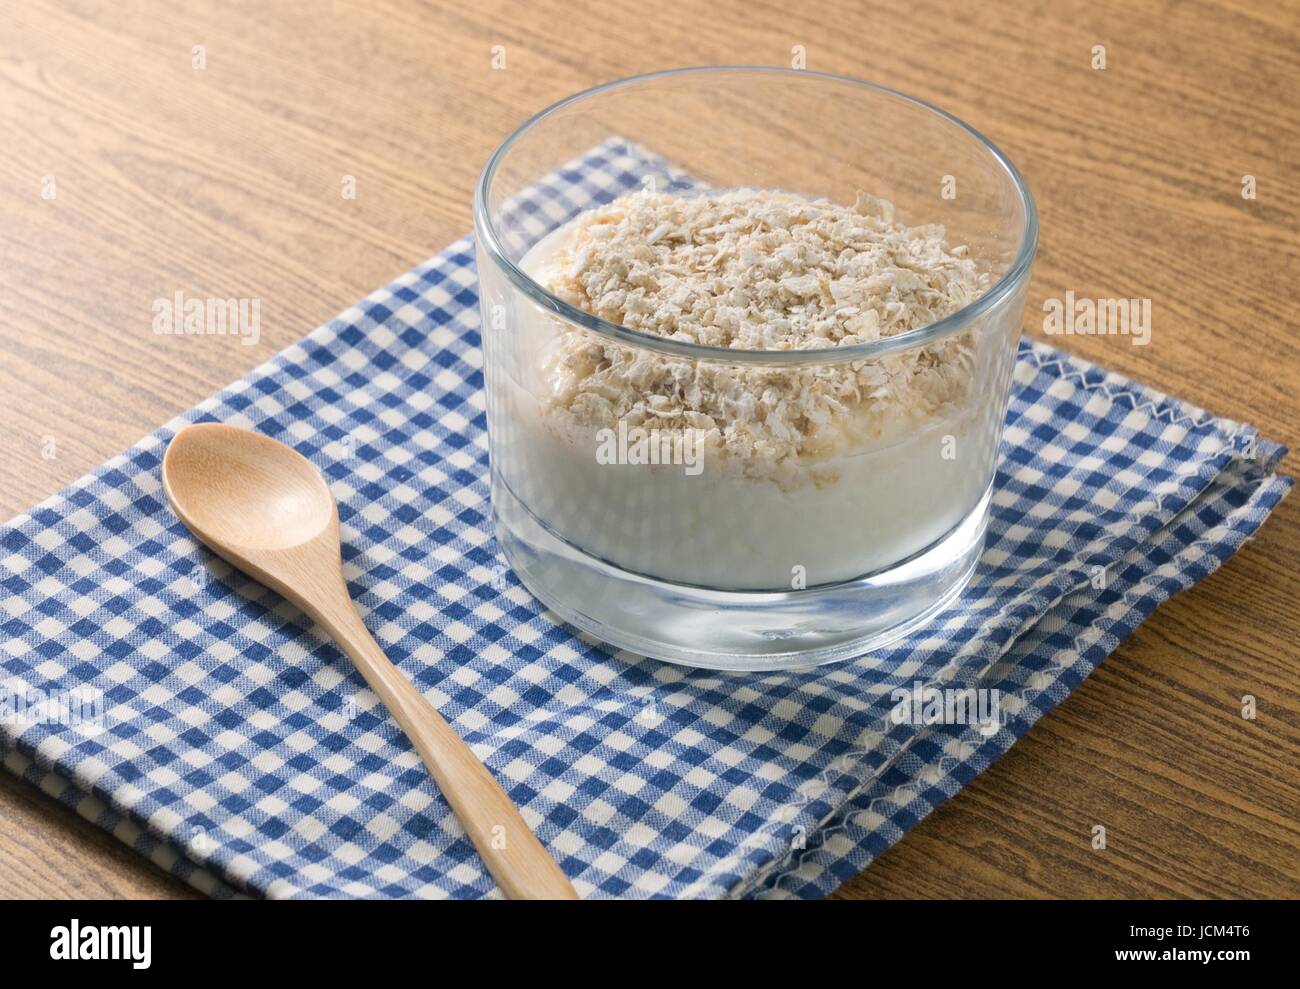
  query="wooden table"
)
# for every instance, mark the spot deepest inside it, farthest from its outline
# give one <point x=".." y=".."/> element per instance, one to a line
<point x="226" y="181"/>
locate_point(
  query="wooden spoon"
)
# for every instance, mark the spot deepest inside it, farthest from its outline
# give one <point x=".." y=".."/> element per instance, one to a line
<point x="265" y="509"/>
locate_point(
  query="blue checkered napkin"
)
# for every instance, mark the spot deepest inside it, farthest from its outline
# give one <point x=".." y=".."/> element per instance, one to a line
<point x="239" y="750"/>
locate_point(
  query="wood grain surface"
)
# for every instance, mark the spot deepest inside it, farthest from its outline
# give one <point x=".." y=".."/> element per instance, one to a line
<point x="225" y="181"/>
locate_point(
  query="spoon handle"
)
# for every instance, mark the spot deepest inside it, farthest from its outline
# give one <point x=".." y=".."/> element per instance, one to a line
<point x="517" y="860"/>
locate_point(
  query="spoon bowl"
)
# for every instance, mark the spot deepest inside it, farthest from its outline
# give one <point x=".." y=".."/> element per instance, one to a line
<point x="245" y="489"/>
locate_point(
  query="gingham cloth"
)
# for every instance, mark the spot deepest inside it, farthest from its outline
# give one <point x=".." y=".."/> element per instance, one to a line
<point x="240" y="751"/>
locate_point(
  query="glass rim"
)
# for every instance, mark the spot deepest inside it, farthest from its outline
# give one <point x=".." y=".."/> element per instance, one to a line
<point x="486" y="233"/>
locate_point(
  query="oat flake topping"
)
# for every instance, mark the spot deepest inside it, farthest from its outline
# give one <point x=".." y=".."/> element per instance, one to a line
<point x="759" y="270"/>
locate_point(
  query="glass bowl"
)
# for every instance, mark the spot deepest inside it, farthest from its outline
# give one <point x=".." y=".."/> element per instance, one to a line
<point x="673" y="543"/>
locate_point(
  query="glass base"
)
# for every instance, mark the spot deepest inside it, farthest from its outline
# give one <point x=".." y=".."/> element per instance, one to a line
<point x="736" y="630"/>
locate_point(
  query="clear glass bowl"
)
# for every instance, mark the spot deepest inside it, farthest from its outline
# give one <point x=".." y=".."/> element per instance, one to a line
<point x="713" y="563"/>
